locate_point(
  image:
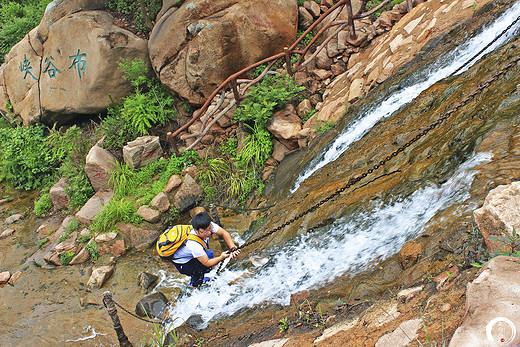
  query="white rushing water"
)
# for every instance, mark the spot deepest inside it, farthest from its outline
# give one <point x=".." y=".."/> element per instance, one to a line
<point x="318" y="257"/>
<point x="440" y="70"/>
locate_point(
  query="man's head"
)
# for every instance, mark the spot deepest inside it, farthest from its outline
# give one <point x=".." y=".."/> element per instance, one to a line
<point x="201" y="221"/>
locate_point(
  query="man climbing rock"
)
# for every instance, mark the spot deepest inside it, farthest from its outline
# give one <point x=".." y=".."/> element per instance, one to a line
<point x="186" y="246"/>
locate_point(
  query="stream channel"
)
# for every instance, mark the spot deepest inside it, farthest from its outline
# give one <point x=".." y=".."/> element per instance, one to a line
<point x="50" y="306"/>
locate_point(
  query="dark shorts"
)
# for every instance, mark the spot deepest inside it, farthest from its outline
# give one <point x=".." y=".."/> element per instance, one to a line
<point x="194" y="269"/>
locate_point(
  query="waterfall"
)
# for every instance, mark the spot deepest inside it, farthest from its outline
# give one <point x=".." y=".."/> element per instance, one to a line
<point x="444" y="67"/>
<point x="354" y="241"/>
<point x="317" y="257"/>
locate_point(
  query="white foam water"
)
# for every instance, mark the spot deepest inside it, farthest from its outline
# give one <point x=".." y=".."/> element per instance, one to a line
<point x="318" y="257"/>
<point x="444" y="67"/>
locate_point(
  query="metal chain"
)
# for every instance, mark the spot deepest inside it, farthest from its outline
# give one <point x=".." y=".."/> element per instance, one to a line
<point x="389" y="157"/>
<point x="163" y="322"/>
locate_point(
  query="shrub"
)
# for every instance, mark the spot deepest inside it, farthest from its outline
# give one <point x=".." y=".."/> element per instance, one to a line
<point x="66" y="257"/>
<point x="142" y="18"/>
<point x="26" y="161"/>
<point x="117" y="210"/>
<point x="43" y="205"/>
<point x="17" y="18"/>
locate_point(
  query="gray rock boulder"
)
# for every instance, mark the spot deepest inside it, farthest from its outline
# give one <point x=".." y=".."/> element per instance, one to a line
<point x="197" y="46"/>
<point x="153" y="305"/>
<point x="142" y="151"/>
<point x="93" y="206"/>
<point x="149" y="214"/>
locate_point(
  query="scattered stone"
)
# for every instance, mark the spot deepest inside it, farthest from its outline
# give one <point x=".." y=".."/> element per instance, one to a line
<point x="58" y="195"/>
<point x="13" y="218"/>
<point x="107" y="237"/>
<point x="190" y="170"/>
<point x="404" y="334"/>
<point x="197" y="210"/>
<point x="153" y="305"/>
<point x="7" y="232"/>
<point x="173" y="182"/>
<point x="145" y="280"/>
<point x="99" y="276"/>
<point x="142" y="151"/>
<point x="160" y="202"/>
<point x="149" y="214"/>
<point x="499" y="215"/>
<point x="81" y="257"/>
<point x="4" y="277"/>
<point x="285" y="125"/>
<point x="14" y="278"/>
<point x="406" y="294"/>
<point x="99" y="164"/>
<point x="445" y="308"/>
<point x="188" y="194"/>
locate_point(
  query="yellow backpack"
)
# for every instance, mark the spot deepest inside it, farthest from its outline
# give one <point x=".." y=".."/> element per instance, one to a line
<point x="173" y="238"/>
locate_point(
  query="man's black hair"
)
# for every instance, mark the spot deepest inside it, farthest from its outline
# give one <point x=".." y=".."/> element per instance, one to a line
<point x="200" y="221"/>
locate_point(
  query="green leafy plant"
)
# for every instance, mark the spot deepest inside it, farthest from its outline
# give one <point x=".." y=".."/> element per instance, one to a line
<point x="511" y="243"/>
<point x="324" y="127"/>
<point x="283" y="325"/>
<point x="91" y="247"/>
<point x="66" y="257"/>
<point x="43" y="205"/>
<point x="308" y="115"/>
<point x="71" y="227"/>
<point x="117" y="210"/>
<point x="43" y="242"/>
<point x="17" y="18"/>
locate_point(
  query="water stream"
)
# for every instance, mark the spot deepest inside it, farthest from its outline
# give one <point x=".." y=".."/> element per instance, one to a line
<point x="442" y="68"/>
<point x="317" y="257"/>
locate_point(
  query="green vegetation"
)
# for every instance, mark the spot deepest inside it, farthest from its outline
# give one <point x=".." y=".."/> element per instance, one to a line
<point x="43" y="205"/>
<point x="143" y="12"/>
<point x="510" y="243"/>
<point x="138" y="113"/>
<point x="66" y="257"/>
<point x="71" y="227"/>
<point x="43" y="242"/>
<point x="283" y="325"/>
<point x="323" y="127"/>
<point x="374" y="3"/>
<point x="17" y="18"/>
<point x="93" y="250"/>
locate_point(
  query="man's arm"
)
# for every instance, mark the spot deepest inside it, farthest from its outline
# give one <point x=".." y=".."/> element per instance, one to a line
<point x="204" y="259"/>
<point x="229" y="241"/>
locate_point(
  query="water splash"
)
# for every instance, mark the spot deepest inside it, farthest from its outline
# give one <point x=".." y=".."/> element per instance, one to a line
<point x="318" y="257"/>
<point x="88" y="329"/>
<point x="442" y="68"/>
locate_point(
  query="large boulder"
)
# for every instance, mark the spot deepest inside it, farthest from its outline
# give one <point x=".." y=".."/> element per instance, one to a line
<point x="67" y="66"/>
<point x="98" y="165"/>
<point x="492" y="306"/>
<point x="499" y="216"/>
<point x="196" y="47"/>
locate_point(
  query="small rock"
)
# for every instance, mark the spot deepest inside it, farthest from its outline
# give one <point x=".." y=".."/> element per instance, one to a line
<point x="153" y="305"/>
<point x="445" y="307"/>
<point x="99" y="276"/>
<point x="149" y="214"/>
<point x="14" y="218"/>
<point x="173" y="182"/>
<point x="105" y="237"/>
<point x="4" y="277"/>
<point x="406" y="294"/>
<point x="14" y="278"/>
<point x="145" y="280"/>
<point x="6" y="233"/>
